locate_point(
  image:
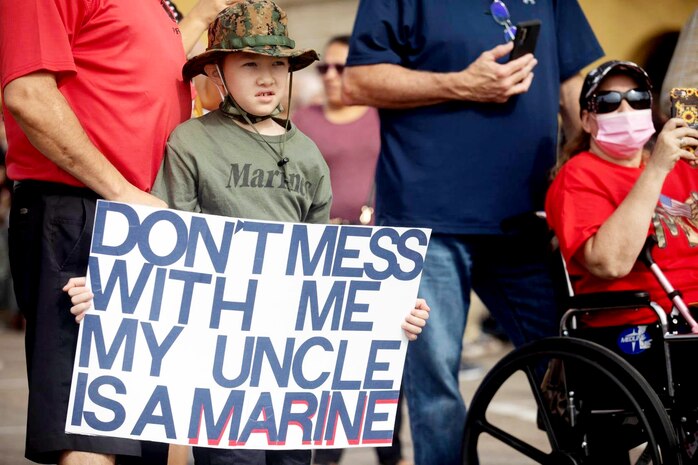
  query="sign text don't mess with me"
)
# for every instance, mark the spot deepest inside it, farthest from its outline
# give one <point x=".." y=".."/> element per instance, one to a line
<point x="225" y="332"/>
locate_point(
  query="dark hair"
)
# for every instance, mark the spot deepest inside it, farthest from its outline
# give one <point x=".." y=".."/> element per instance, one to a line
<point x="580" y="142"/>
<point x="340" y="39"/>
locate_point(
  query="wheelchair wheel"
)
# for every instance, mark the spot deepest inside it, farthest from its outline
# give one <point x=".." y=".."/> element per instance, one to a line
<point x="604" y="412"/>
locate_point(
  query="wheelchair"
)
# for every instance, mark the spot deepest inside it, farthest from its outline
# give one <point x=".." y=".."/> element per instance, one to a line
<point x="596" y="396"/>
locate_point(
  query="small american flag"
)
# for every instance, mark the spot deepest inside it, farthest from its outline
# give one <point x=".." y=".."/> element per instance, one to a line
<point x="674" y="207"/>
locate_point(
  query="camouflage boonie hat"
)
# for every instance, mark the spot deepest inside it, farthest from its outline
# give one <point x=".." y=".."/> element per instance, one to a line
<point x="252" y="26"/>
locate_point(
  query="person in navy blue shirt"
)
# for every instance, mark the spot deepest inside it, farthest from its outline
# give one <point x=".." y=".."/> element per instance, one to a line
<point x="467" y="140"/>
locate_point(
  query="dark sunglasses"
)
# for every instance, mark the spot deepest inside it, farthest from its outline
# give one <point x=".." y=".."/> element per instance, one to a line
<point x="323" y="68"/>
<point x="609" y="100"/>
<point x="500" y="14"/>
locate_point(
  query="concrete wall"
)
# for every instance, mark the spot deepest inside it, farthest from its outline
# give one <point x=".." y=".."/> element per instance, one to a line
<point x="313" y="22"/>
<point x="624" y="27"/>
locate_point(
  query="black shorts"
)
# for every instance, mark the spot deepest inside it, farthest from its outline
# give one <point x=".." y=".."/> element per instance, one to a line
<point x="50" y="233"/>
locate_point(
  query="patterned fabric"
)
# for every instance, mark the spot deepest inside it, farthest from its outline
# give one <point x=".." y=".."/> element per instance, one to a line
<point x="253" y="26"/>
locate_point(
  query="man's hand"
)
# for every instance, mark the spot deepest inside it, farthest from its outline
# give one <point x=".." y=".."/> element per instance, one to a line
<point x="386" y="85"/>
<point x="137" y="196"/>
<point x="207" y="10"/>
<point x="486" y="80"/>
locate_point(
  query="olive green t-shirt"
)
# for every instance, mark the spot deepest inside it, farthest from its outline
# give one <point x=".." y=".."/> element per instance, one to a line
<point x="214" y="166"/>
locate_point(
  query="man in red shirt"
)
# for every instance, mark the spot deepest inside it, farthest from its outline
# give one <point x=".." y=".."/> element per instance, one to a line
<point x="91" y="91"/>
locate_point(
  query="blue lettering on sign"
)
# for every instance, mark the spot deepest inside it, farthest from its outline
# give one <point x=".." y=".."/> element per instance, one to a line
<point x="634" y="340"/>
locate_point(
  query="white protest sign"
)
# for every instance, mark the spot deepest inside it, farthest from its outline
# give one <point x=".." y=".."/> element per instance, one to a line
<point x="221" y="332"/>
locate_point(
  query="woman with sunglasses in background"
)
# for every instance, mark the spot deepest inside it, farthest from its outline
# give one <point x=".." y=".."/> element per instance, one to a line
<point x="608" y="194"/>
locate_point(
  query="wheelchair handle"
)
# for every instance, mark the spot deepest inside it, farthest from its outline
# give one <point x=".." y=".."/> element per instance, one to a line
<point x="673" y="294"/>
<point x="646" y="253"/>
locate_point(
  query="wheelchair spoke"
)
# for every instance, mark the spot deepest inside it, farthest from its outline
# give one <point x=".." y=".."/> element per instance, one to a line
<point x="544" y="414"/>
<point x="512" y="441"/>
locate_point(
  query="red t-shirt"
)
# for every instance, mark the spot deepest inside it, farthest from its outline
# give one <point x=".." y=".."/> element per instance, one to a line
<point x="117" y="62"/>
<point x="587" y="191"/>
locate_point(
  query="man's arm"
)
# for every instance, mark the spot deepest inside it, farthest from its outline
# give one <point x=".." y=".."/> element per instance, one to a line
<point x="569" y="106"/>
<point x="52" y="127"/>
<point x="196" y="22"/>
<point x="484" y="80"/>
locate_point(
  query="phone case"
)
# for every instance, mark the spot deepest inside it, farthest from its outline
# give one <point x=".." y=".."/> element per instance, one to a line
<point x="684" y="104"/>
<point x="526" y="38"/>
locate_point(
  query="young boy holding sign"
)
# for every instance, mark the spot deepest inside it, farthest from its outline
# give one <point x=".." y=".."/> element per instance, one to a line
<point x="242" y="162"/>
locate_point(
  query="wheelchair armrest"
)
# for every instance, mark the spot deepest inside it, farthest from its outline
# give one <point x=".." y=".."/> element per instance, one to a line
<point x="610" y="299"/>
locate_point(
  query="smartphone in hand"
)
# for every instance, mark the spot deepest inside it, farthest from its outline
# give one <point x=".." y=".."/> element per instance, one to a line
<point x="684" y="105"/>
<point x="525" y="39"/>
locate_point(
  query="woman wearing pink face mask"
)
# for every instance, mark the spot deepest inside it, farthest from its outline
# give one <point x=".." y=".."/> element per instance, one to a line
<point x="608" y="194"/>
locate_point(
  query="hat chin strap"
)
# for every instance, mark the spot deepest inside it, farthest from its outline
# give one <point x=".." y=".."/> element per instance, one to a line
<point x="232" y="109"/>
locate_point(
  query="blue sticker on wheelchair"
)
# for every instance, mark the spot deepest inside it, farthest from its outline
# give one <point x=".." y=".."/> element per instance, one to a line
<point x="634" y="340"/>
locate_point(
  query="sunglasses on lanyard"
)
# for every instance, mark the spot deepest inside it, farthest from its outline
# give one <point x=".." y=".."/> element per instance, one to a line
<point x="500" y="14"/>
<point x="609" y="100"/>
<point x="323" y="68"/>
